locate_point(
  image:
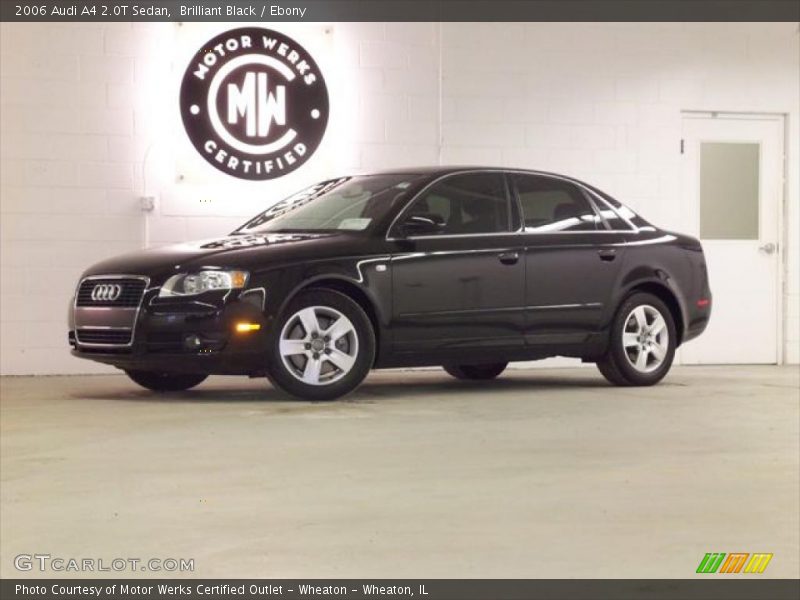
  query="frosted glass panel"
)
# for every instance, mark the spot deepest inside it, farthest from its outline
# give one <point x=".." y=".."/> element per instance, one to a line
<point x="728" y="191"/>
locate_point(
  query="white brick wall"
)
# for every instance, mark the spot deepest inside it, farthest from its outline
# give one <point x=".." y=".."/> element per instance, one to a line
<point x="88" y="121"/>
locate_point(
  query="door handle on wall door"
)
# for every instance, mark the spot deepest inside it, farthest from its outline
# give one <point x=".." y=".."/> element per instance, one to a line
<point x="607" y="255"/>
<point x="509" y="258"/>
<point x="767" y="248"/>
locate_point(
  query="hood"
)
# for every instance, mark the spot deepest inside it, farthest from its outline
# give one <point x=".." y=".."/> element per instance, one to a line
<point x="233" y="250"/>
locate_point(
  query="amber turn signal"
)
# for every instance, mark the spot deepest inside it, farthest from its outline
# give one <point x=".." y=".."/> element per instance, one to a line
<point x="238" y="279"/>
<point x="246" y="327"/>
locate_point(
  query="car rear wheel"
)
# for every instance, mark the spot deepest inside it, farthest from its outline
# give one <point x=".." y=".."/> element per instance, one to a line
<point x="166" y="382"/>
<point x="476" y="372"/>
<point x="324" y="347"/>
<point x="642" y="342"/>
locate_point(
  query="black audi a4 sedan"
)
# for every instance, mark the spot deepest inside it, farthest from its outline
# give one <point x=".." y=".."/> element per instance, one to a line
<point x="467" y="268"/>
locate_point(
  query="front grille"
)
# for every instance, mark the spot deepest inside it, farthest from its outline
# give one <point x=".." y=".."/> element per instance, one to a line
<point x="118" y="337"/>
<point x="130" y="292"/>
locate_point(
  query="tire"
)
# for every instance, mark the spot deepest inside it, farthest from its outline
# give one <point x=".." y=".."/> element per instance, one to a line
<point x="166" y="382"/>
<point x="476" y="372"/>
<point x="641" y="345"/>
<point x="323" y="347"/>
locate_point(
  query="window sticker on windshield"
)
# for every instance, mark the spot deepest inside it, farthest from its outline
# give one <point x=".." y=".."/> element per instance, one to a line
<point x="357" y="224"/>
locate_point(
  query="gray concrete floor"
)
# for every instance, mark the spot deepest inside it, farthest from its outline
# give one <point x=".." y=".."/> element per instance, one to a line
<point x="543" y="473"/>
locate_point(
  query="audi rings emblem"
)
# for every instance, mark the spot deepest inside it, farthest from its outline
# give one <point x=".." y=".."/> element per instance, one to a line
<point x="106" y="292"/>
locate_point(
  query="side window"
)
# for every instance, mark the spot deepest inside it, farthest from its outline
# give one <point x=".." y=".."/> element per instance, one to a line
<point x="553" y="205"/>
<point x="613" y="220"/>
<point x="603" y="201"/>
<point x="468" y="203"/>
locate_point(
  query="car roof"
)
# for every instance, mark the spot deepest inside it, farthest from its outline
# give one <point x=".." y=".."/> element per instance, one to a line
<point x="441" y="170"/>
<point x="434" y="172"/>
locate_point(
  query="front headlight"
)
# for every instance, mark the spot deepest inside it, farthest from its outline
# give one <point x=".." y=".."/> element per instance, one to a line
<point x="192" y="284"/>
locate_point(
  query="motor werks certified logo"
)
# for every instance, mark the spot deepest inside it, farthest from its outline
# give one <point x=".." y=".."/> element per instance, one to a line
<point x="254" y="103"/>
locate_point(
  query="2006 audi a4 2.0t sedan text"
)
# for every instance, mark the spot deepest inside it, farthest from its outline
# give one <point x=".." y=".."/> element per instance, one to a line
<point x="467" y="268"/>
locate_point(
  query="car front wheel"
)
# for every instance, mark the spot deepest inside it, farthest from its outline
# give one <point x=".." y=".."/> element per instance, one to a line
<point x="166" y="382"/>
<point x="642" y="342"/>
<point x="476" y="372"/>
<point x="324" y="347"/>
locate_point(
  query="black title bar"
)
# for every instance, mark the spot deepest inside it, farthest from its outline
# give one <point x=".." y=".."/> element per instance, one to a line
<point x="400" y="10"/>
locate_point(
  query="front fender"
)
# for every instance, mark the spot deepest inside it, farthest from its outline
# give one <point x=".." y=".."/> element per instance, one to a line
<point x="283" y="284"/>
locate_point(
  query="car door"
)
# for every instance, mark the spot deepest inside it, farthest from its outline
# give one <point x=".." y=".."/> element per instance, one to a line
<point x="572" y="259"/>
<point x="463" y="285"/>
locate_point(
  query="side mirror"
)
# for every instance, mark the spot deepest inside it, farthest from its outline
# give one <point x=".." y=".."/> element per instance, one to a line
<point x="427" y="224"/>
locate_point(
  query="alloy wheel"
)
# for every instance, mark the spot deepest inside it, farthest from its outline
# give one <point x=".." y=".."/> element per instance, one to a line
<point x="645" y="338"/>
<point x="318" y="345"/>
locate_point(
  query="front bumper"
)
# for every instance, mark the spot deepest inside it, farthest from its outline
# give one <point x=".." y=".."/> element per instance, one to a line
<point x="216" y="363"/>
<point x="197" y="336"/>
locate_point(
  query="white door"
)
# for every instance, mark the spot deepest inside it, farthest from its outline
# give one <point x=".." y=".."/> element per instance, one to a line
<point x="732" y="189"/>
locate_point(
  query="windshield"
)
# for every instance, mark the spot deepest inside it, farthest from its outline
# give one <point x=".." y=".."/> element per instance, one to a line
<point x="347" y="203"/>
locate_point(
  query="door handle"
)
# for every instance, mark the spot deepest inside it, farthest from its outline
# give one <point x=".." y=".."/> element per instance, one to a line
<point x="767" y="248"/>
<point x="509" y="258"/>
<point x="607" y="254"/>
